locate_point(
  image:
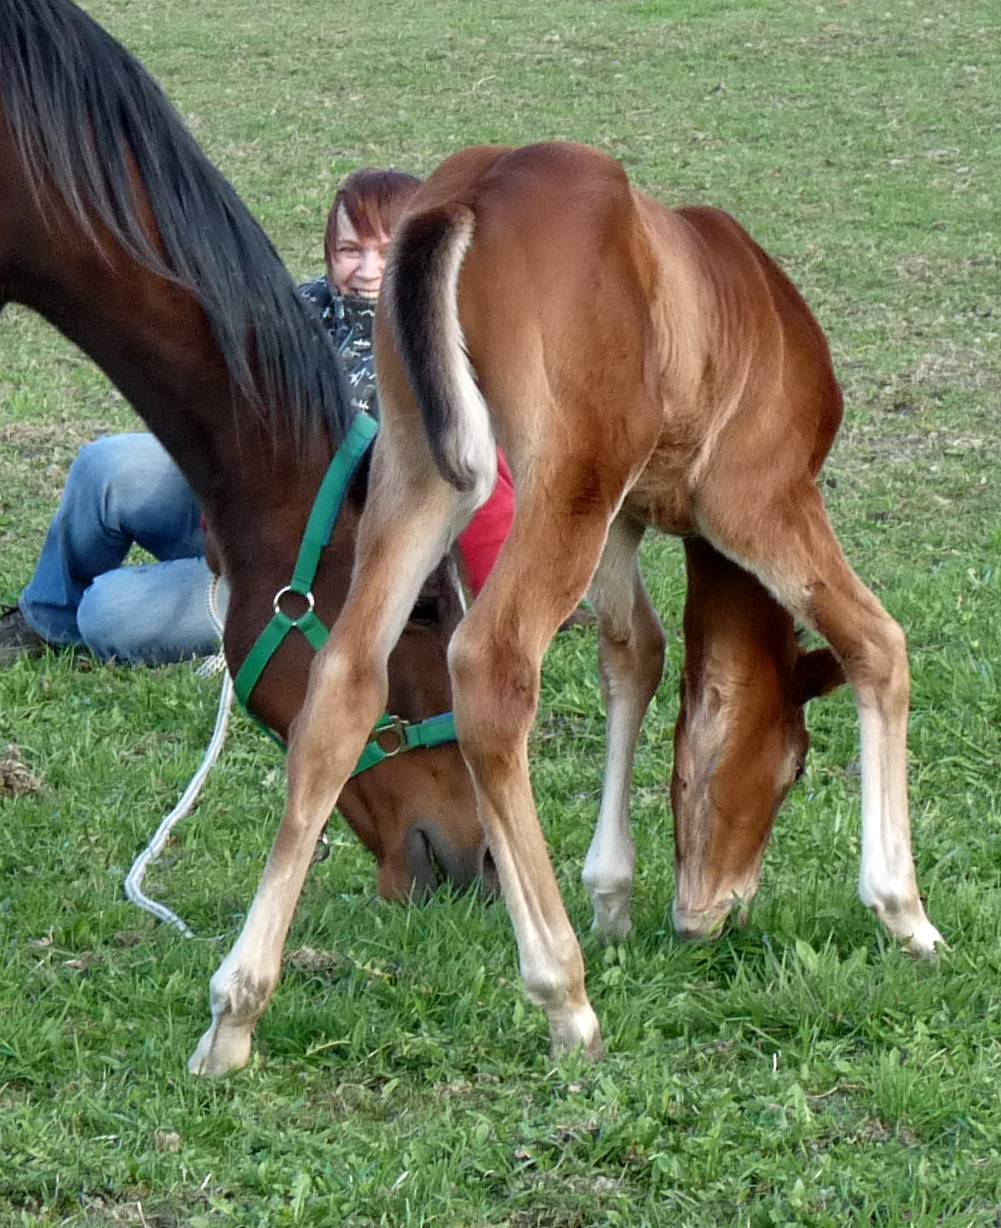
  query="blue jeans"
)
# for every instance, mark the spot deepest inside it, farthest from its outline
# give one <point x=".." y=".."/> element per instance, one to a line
<point x="121" y="490"/>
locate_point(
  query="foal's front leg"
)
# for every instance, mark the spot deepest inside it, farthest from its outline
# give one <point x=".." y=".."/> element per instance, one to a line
<point x="403" y="535"/>
<point x="796" y="555"/>
<point x="631" y="656"/>
<point x="243" y="984"/>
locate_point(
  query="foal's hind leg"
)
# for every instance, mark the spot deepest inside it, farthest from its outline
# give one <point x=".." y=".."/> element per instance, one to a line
<point x="631" y="657"/>
<point x="791" y="547"/>
<point x="495" y="658"/>
<point x="405" y="530"/>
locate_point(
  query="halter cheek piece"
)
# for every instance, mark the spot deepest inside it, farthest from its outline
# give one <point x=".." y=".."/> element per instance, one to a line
<point x="392" y="735"/>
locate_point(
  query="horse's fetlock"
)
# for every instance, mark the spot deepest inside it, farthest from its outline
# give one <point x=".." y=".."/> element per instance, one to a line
<point x="557" y="982"/>
<point x="889" y="895"/>
<point x="605" y="886"/>
<point x="547" y="991"/>
<point x="610" y="869"/>
<point x="239" y="997"/>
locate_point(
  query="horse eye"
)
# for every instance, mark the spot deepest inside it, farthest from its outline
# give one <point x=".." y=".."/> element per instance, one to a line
<point x="425" y="613"/>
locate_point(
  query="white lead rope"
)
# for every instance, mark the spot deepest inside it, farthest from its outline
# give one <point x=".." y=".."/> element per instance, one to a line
<point x="134" y="878"/>
<point x="208" y="669"/>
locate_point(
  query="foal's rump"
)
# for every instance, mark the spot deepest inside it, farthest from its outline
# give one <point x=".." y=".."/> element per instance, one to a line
<point x="538" y="301"/>
<point x="520" y="281"/>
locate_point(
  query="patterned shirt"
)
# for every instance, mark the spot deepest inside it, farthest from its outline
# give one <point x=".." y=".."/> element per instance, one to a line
<point x="349" y="322"/>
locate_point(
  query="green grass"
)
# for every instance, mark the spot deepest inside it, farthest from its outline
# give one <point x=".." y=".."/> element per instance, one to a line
<point x="800" y="1071"/>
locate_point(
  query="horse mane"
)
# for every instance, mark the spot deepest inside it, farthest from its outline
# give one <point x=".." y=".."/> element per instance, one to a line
<point x="85" y="117"/>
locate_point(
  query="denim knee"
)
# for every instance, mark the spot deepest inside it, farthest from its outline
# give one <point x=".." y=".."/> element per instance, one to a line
<point x="104" y="461"/>
<point x="113" y="475"/>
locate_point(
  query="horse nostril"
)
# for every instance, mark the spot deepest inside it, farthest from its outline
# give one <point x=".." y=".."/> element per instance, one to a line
<point x="423" y="866"/>
<point x="432" y="861"/>
<point x="439" y="872"/>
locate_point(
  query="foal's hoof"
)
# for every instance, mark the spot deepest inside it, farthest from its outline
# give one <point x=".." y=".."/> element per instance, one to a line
<point x="220" y="1051"/>
<point x="612" y="922"/>
<point x="909" y="925"/>
<point x="573" y="1030"/>
<point x="926" y="942"/>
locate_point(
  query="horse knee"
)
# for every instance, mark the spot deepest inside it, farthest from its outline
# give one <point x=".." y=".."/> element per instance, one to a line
<point x="347" y="679"/>
<point x="495" y="688"/>
<point x="635" y="660"/>
<point x="877" y="666"/>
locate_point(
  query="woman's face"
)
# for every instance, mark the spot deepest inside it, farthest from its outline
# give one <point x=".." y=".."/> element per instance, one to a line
<point x="357" y="265"/>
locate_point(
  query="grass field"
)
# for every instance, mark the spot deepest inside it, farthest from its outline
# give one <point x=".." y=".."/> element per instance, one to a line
<point x="798" y="1071"/>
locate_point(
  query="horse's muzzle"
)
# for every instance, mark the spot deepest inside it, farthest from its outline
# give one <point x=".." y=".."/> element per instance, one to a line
<point x="432" y="861"/>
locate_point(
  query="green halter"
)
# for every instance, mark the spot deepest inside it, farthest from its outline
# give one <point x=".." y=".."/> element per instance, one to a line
<point x="436" y="730"/>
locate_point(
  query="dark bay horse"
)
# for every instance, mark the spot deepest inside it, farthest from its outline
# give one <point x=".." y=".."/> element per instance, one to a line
<point x="639" y="366"/>
<point x="115" y="228"/>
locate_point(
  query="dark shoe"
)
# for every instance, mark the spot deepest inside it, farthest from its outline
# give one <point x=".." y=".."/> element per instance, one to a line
<point x="17" y="638"/>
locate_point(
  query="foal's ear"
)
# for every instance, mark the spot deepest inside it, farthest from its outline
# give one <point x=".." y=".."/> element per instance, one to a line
<point x="817" y="673"/>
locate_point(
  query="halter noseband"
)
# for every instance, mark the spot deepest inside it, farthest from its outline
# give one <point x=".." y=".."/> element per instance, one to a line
<point x="404" y="736"/>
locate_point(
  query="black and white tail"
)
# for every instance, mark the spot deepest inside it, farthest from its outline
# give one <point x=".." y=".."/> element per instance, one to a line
<point x="421" y="293"/>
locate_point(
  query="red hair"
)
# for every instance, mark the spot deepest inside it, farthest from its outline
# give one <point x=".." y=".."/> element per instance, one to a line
<point x="373" y="201"/>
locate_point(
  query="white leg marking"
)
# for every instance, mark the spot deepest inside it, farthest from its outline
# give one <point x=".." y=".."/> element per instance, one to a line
<point x="629" y="678"/>
<point x="550" y="961"/>
<point x="245" y="980"/>
<point x="887" y="882"/>
<point x="611" y="859"/>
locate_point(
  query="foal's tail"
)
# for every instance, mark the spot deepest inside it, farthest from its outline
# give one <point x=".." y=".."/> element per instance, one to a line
<point x="421" y="293"/>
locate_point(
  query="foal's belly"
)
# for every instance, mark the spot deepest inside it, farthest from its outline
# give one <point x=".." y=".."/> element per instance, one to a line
<point x="660" y="496"/>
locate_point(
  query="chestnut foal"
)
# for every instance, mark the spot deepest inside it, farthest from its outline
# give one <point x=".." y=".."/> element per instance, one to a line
<point x="639" y="366"/>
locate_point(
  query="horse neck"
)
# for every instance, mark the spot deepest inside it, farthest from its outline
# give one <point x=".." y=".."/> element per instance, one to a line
<point x="153" y="341"/>
<point x="736" y="635"/>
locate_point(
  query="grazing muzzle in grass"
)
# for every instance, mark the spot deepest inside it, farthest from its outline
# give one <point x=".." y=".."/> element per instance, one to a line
<point x="432" y="861"/>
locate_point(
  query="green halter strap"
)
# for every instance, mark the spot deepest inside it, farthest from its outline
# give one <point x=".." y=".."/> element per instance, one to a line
<point x="437" y="730"/>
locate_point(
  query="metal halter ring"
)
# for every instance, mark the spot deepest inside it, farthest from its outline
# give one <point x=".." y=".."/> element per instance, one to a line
<point x="397" y="729"/>
<point x="307" y="597"/>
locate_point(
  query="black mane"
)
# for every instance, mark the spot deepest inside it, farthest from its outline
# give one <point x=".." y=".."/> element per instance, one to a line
<point x="59" y="72"/>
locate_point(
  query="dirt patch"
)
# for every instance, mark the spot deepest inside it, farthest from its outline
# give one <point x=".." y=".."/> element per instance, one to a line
<point x="106" y="1211"/>
<point x="16" y="777"/>
<point x="308" y="959"/>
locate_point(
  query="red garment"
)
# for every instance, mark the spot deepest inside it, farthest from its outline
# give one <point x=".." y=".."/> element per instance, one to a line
<point x="480" y="542"/>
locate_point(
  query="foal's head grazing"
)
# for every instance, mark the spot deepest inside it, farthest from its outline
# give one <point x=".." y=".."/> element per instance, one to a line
<point x="741" y="741"/>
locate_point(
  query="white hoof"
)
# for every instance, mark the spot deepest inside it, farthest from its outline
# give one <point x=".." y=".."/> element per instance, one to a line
<point x="612" y="922"/>
<point x="221" y="1050"/>
<point x="908" y="925"/>
<point x="926" y="942"/>
<point x="238" y="998"/>
<point x="575" y="1028"/>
